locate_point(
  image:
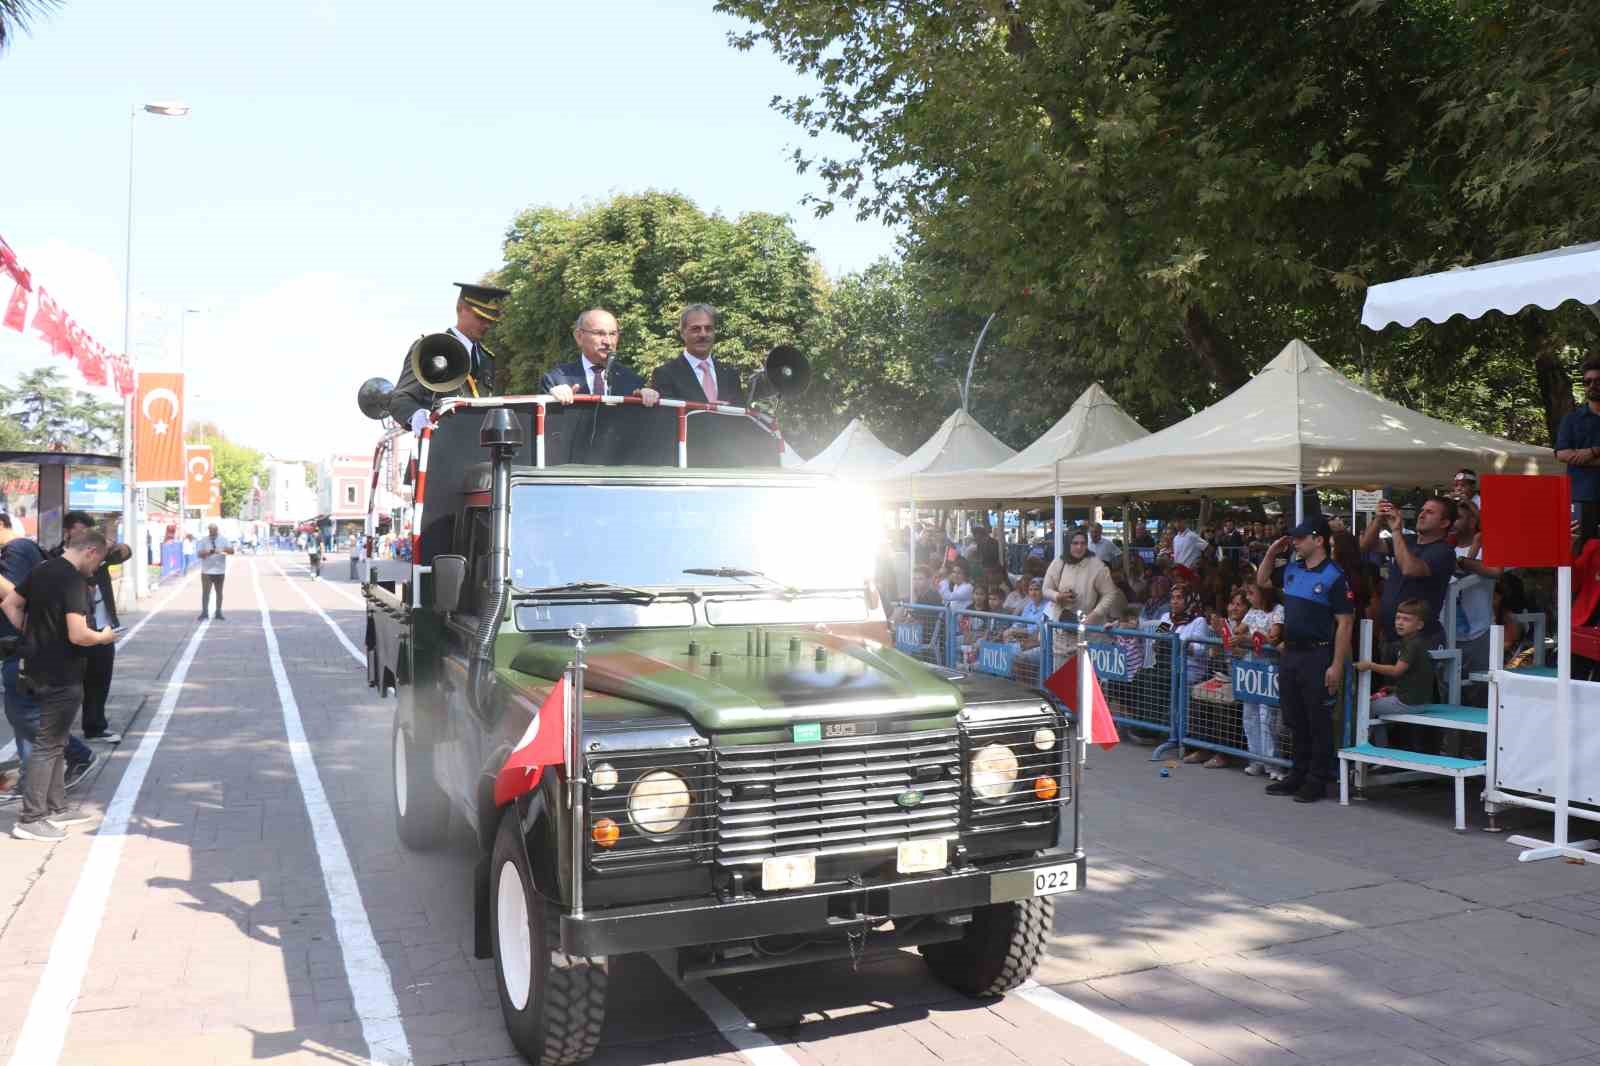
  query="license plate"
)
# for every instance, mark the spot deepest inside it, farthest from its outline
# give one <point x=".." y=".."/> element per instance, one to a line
<point x="1043" y="881"/>
<point x="1048" y="880"/>
<point x="788" y="871"/>
<point x="920" y="856"/>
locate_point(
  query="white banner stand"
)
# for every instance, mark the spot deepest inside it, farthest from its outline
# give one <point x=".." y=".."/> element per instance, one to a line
<point x="1582" y="850"/>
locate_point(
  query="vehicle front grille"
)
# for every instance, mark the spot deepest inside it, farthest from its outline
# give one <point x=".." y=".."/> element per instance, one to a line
<point x="836" y="797"/>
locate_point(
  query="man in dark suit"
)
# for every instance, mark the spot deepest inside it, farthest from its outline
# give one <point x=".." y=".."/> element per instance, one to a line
<point x="695" y="375"/>
<point x="477" y="308"/>
<point x="596" y="371"/>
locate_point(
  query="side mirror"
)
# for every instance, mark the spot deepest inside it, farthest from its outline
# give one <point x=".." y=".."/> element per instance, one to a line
<point x="449" y="577"/>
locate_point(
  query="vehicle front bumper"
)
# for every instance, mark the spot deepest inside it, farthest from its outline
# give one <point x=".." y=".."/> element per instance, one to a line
<point x="685" y="923"/>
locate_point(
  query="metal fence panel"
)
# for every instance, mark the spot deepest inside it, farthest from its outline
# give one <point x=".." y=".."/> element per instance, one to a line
<point x="1229" y="697"/>
<point x="921" y="631"/>
<point x="1135" y="671"/>
<point x="999" y="644"/>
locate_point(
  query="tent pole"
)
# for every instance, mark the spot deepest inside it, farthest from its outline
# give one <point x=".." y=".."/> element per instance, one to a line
<point x="911" y="552"/>
<point x="1058" y="551"/>
<point x="1299" y="503"/>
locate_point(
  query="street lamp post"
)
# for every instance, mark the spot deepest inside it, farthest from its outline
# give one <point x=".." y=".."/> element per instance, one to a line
<point x="183" y="331"/>
<point x="132" y="519"/>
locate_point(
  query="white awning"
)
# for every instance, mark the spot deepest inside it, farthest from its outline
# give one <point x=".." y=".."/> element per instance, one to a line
<point x="1545" y="280"/>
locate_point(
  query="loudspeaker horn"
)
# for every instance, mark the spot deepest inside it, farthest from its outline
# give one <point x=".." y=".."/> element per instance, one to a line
<point x="439" y="362"/>
<point x="786" y="373"/>
<point x="373" y="398"/>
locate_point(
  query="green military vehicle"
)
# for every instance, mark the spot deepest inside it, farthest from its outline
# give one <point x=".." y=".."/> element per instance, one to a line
<point x="753" y="776"/>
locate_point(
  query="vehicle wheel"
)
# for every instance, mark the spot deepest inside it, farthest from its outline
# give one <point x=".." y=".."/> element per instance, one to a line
<point x="1001" y="948"/>
<point x="421" y="809"/>
<point x="554" y="1003"/>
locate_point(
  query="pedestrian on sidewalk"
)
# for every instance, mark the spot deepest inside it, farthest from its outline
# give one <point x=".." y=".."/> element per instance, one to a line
<point x="18" y="558"/>
<point x="1318" y="607"/>
<point x="213" y="554"/>
<point x="51" y="609"/>
<point x="101" y="661"/>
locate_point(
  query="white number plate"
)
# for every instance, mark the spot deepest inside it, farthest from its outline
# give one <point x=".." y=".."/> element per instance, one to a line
<point x="1048" y="880"/>
<point x="788" y="871"/>
<point x="920" y="856"/>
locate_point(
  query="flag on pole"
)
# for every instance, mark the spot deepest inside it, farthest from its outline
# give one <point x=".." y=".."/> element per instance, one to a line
<point x="542" y="744"/>
<point x="158" y="430"/>
<point x="1097" y="725"/>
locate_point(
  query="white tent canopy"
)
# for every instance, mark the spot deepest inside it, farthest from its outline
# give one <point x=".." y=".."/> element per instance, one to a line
<point x="1297" y="422"/>
<point x="790" y="459"/>
<point x="960" y="443"/>
<point x="855" y="452"/>
<point x="1093" y="423"/>
<point x="1545" y="280"/>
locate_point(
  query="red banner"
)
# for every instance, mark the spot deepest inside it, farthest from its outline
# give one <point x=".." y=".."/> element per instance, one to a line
<point x="1527" y="521"/>
<point x="56" y="328"/>
<point x="158" y="430"/>
<point x="17" y="309"/>
<point x="197" y="473"/>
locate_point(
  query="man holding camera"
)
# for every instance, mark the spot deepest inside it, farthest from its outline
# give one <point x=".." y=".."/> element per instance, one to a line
<point x="51" y="608"/>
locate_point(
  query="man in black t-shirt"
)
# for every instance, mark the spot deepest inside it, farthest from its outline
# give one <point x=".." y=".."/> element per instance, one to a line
<point x="1422" y="566"/>
<point x="51" y="607"/>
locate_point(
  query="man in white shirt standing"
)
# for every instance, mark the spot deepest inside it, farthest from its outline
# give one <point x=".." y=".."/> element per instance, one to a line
<point x="695" y="375"/>
<point x="1103" y="549"/>
<point x="212" y="551"/>
<point x="1187" y="545"/>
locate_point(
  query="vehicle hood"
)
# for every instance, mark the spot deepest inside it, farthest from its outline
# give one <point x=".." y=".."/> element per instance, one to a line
<point x="855" y="676"/>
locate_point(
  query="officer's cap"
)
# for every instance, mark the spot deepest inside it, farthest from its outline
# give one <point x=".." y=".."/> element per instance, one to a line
<point x="1314" y="526"/>
<point x="483" y="300"/>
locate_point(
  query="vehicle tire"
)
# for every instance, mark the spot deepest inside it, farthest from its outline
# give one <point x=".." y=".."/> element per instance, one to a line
<point x="421" y="809"/>
<point x="554" y="1004"/>
<point x="1002" y="946"/>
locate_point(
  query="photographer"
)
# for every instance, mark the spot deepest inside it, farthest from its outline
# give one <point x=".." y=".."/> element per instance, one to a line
<point x="51" y="608"/>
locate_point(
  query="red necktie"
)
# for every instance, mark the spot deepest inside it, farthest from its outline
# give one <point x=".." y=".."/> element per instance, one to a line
<point x="599" y="388"/>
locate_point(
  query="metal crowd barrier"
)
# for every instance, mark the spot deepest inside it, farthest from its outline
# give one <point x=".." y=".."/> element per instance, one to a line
<point x="1228" y="694"/>
<point x="1000" y="644"/>
<point x="922" y="632"/>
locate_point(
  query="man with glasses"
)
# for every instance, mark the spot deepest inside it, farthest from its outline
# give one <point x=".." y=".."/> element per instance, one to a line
<point x="596" y="371"/>
<point x="1578" y="445"/>
<point x="477" y="308"/>
<point x="695" y="375"/>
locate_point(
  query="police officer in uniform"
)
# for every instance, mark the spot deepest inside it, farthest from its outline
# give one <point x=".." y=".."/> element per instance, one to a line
<point x="1318" y="614"/>
<point x="477" y="308"/>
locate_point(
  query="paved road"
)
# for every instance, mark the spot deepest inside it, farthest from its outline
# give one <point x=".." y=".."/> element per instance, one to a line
<point x="244" y="899"/>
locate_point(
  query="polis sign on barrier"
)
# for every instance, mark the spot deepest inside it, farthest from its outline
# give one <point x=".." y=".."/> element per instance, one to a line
<point x="995" y="658"/>
<point x="908" y="636"/>
<point x="1110" y="662"/>
<point x="1255" y="681"/>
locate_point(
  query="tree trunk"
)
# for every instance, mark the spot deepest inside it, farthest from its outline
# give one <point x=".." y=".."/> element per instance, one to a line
<point x="1553" y="379"/>
<point x="1215" y="351"/>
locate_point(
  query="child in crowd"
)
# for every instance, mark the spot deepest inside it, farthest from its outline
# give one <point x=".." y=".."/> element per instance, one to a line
<point x="1411" y="673"/>
<point x="956" y="587"/>
<point x="972" y="629"/>
<point x="1025" y="631"/>
<point x="1263" y="618"/>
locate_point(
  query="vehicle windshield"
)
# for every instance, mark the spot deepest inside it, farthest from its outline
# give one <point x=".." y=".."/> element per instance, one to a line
<point x="800" y="537"/>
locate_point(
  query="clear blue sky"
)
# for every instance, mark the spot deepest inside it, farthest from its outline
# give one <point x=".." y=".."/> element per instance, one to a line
<point x="346" y="160"/>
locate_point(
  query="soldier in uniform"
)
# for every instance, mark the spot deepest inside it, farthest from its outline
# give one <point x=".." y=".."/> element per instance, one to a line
<point x="477" y="308"/>
<point x="1318" y="610"/>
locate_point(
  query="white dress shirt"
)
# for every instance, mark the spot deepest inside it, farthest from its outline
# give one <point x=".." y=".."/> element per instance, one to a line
<point x="695" y="363"/>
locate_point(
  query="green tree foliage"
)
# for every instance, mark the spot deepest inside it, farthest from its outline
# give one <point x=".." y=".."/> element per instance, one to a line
<point x="17" y="15"/>
<point x="1159" y="194"/>
<point x="43" y="412"/>
<point x="643" y="257"/>
<point x="234" y="464"/>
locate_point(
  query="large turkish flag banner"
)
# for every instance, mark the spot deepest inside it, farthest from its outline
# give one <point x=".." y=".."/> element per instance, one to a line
<point x="158" y="431"/>
<point x="214" y="499"/>
<point x="197" y="473"/>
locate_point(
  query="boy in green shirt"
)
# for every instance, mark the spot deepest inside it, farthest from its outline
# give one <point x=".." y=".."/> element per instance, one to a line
<point x="1411" y="673"/>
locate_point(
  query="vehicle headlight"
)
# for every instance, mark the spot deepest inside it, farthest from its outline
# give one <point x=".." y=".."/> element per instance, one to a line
<point x="658" y="803"/>
<point x="994" y="771"/>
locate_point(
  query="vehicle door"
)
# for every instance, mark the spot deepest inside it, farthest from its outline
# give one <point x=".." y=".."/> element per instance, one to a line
<point x="468" y="740"/>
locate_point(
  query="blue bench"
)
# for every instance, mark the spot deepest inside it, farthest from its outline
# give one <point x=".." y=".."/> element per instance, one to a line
<point x="1416" y="761"/>
<point x="1444" y="716"/>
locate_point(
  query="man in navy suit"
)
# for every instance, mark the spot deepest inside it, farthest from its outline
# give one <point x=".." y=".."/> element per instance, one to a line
<point x="596" y="372"/>
<point x="694" y="374"/>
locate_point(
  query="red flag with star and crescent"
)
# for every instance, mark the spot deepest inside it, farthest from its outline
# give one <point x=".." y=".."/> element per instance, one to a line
<point x="1097" y="725"/>
<point x="542" y="745"/>
<point x="158" y="430"/>
<point x="17" y="309"/>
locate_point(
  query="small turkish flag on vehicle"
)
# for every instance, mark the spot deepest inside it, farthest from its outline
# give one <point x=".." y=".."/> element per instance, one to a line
<point x="1098" y="726"/>
<point x="541" y="745"/>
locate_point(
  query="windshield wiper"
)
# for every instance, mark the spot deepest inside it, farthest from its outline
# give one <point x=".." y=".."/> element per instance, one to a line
<point x="590" y="588"/>
<point x="741" y="572"/>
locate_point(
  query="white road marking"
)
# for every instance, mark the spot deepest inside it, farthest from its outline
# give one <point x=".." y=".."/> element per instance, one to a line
<point x="371" y="987"/>
<point x="1124" y="1040"/>
<point x="45" y="1029"/>
<point x="304" y="595"/>
<point x="730" y="1021"/>
<point x="9" y="750"/>
<point x="334" y="586"/>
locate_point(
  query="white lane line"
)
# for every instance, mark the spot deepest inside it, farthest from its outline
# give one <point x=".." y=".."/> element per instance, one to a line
<point x="304" y="595"/>
<point x="333" y="586"/>
<point x="9" y="750"/>
<point x="45" y="1029"/>
<point x="1126" y="1041"/>
<point x="371" y="988"/>
<point x="730" y="1021"/>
